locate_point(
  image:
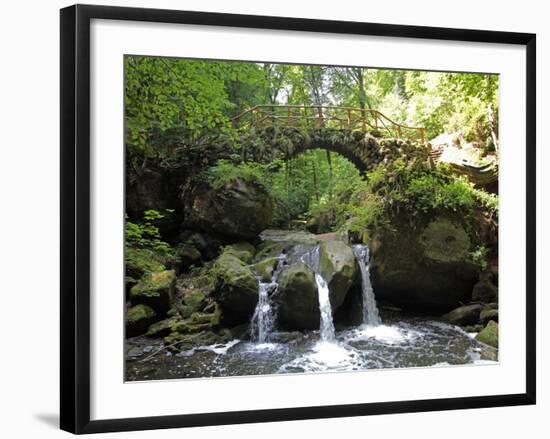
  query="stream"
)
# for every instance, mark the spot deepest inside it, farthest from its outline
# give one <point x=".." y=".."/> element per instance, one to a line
<point x="394" y="344"/>
<point x="377" y="343"/>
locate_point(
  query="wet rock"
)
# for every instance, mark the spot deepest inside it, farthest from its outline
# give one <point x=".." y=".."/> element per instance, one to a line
<point x="265" y="268"/>
<point x="239" y="208"/>
<point x="425" y="267"/>
<point x="489" y="335"/>
<point x="236" y="289"/>
<point x="138" y="319"/>
<point x="338" y="267"/>
<point x="297" y="299"/>
<point x="155" y="290"/>
<point x="464" y="315"/>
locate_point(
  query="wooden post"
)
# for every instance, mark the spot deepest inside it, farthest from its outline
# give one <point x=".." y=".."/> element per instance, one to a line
<point x="349" y="119"/>
<point x="422" y="135"/>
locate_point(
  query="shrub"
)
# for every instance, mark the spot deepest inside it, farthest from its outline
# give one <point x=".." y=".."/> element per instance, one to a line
<point x="146" y="233"/>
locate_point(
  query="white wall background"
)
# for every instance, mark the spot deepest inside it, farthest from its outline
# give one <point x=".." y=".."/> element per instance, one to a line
<point x="29" y="249"/>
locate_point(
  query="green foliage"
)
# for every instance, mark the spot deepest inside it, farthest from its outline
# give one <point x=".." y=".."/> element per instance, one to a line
<point x="225" y="171"/>
<point x="146" y="234"/>
<point x="180" y="110"/>
<point x="431" y="191"/>
<point x="479" y="257"/>
<point x="170" y="99"/>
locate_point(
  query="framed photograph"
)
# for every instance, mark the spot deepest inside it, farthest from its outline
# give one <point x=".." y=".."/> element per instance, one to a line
<point x="275" y="218"/>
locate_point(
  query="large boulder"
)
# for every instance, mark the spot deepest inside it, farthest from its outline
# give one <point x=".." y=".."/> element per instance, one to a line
<point x="239" y="208"/>
<point x="424" y="267"/>
<point x="138" y="319"/>
<point x="236" y="289"/>
<point x="297" y="298"/>
<point x="155" y="290"/>
<point x="338" y="267"/>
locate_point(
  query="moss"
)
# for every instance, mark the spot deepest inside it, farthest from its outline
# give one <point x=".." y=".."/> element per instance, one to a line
<point x="489" y="334"/>
<point x="162" y="328"/>
<point x="194" y="300"/>
<point x="242" y="250"/>
<point x="141" y="261"/>
<point x="138" y="319"/>
<point x="155" y="290"/>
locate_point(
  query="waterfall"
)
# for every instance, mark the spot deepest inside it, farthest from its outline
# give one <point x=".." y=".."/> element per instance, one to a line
<point x="326" y="329"/>
<point x="327" y="326"/>
<point x="371" y="316"/>
<point x="263" y="318"/>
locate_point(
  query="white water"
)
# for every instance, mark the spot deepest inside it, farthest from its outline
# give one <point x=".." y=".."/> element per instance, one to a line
<point x="263" y="318"/>
<point x="326" y="329"/>
<point x="371" y="316"/>
<point x="327" y="326"/>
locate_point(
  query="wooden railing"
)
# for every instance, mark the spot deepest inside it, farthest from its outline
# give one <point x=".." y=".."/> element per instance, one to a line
<point x="311" y="116"/>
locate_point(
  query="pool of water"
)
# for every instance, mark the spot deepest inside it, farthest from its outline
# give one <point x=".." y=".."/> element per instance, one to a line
<point x="394" y="344"/>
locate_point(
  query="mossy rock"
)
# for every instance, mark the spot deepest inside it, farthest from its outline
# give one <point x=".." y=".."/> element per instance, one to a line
<point x="444" y="241"/>
<point x="338" y="267"/>
<point x="162" y="328"/>
<point x="489" y="334"/>
<point x="238" y="208"/>
<point x="179" y="342"/>
<point x="138" y="319"/>
<point x="242" y="250"/>
<point x="297" y="299"/>
<point x="236" y="289"/>
<point x="265" y="268"/>
<point x="464" y="315"/>
<point x="155" y="290"/>
<point x="423" y="264"/>
<point x="194" y="300"/>
<point x="138" y="262"/>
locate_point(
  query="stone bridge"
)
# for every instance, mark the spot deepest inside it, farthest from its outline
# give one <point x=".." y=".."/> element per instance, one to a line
<point x="365" y="137"/>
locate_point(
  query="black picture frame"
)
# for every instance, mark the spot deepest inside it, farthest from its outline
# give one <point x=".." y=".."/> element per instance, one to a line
<point x="75" y="217"/>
